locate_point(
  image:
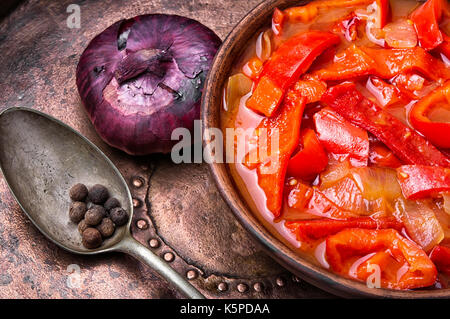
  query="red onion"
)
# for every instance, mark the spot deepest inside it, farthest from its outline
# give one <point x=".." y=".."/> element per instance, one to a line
<point x="141" y="78"/>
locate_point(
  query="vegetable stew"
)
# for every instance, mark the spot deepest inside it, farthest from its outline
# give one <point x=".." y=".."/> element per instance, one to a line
<point x="341" y="140"/>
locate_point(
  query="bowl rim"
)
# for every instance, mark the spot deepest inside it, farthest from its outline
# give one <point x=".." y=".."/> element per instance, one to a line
<point x="210" y="116"/>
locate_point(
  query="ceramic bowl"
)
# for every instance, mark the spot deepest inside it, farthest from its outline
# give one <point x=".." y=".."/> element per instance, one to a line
<point x="230" y="50"/>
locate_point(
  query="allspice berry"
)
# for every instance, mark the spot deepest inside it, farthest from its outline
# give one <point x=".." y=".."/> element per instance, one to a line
<point x="106" y="227"/>
<point x="82" y="226"/>
<point x="91" y="238"/>
<point x="89" y="209"/>
<point x="77" y="211"/>
<point x="111" y="203"/>
<point x="78" y="192"/>
<point x="98" y="194"/>
<point x="119" y="216"/>
<point x="94" y="215"/>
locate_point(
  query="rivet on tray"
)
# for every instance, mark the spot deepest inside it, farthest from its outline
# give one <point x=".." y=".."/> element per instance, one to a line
<point x="242" y="288"/>
<point x="191" y="274"/>
<point x="222" y="286"/>
<point x="168" y="257"/>
<point x="136" y="203"/>
<point x="138" y="182"/>
<point x="141" y="224"/>
<point x="280" y="282"/>
<point x="154" y="243"/>
<point x="258" y="286"/>
<point x="295" y="279"/>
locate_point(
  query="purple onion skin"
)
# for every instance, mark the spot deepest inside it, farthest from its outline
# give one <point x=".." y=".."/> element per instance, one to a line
<point x="141" y="78"/>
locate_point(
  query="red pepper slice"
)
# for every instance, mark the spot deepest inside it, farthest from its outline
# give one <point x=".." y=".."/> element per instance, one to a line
<point x="311" y="88"/>
<point x="444" y="48"/>
<point x="348" y="26"/>
<point x="440" y="255"/>
<point x="426" y="22"/>
<point x="383" y="13"/>
<point x="410" y="84"/>
<point x="309" y="11"/>
<point x="320" y="228"/>
<point x="418" y="181"/>
<point x="271" y="168"/>
<point x="356" y="62"/>
<point x="396" y="61"/>
<point x="312" y="201"/>
<point x="341" y="137"/>
<point x="310" y="160"/>
<point x="351" y="63"/>
<point x="402" y="263"/>
<point x="287" y="63"/>
<point x="253" y="68"/>
<point x="437" y="133"/>
<point x="278" y="18"/>
<point x="385" y="93"/>
<point x="380" y="155"/>
<point x="406" y="144"/>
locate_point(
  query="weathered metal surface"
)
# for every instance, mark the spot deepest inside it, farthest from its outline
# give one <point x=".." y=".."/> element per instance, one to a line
<point x="178" y="212"/>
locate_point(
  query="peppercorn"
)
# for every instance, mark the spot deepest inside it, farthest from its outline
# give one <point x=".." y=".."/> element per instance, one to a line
<point x="94" y="215"/>
<point x="91" y="238"/>
<point x="82" y="225"/>
<point x="98" y="194"/>
<point x="78" y="192"/>
<point x="106" y="227"/>
<point x="111" y="203"/>
<point x="77" y="211"/>
<point x="119" y="216"/>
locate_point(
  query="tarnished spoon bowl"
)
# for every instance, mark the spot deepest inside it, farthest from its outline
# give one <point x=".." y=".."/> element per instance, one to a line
<point x="41" y="158"/>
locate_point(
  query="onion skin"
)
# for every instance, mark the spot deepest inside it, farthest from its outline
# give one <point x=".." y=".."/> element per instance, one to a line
<point x="143" y="77"/>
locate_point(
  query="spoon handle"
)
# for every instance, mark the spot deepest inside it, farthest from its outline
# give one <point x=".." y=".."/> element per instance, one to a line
<point x="131" y="246"/>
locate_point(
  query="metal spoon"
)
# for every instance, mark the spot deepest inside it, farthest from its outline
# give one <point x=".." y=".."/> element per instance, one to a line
<point x="41" y="158"/>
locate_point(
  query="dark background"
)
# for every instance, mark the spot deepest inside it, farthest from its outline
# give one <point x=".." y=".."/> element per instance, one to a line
<point x="7" y="7"/>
